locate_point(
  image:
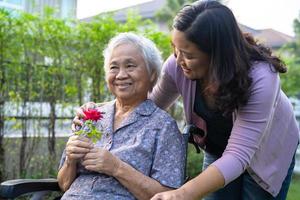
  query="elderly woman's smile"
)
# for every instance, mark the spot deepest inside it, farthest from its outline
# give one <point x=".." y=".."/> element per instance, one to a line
<point x="123" y="85"/>
<point x="127" y="75"/>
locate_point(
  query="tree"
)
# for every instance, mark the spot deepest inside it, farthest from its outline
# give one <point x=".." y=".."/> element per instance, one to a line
<point x="291" y="55"/>
<point x="6" y="36"/>
<point x="169" y="11"/>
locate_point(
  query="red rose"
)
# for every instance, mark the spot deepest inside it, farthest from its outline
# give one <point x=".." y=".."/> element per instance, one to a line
<point x="92" y="114"/>
<point x="89" y="128"/>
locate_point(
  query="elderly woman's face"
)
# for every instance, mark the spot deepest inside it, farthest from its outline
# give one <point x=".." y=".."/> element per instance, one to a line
<point x="127" y="75"/>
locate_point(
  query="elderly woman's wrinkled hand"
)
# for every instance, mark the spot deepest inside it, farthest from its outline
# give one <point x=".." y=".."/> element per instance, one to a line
<point x="77" y="147"/>
<point x="101" y="161"/>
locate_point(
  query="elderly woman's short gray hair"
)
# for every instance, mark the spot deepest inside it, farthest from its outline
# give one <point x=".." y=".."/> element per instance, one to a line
<point x="149" y="51"/>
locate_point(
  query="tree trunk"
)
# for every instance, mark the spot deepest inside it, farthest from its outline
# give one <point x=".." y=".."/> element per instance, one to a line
<point x="2" y="150"/>
<point x="96" y="83"/>
<point x="24" y="156"/>
<point x="22" y="170"/>
<point x="79" y="88"/>
<point x="51" y="129"/>
<point x="2" y="101"/>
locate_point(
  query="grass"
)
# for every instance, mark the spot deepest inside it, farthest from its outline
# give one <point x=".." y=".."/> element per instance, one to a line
<point x="294" y="191"/>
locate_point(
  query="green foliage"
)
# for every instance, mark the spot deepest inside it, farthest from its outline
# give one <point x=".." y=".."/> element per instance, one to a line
<point x="291" y="55"/>
<point x="169" y="11"/>
<point x="291" y="80"/>
<point x="171" y="8"/>
<point x="40" y="166"/>
<point x="194" y="162"/>
<point x="162" y="41"/>
<point x="46" y="59"/>
<point x="93" y="133"/>
<point x="294" y="190"/>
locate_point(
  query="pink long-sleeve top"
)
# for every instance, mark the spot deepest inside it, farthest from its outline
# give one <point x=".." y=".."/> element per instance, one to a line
<point x="265" y="132"/>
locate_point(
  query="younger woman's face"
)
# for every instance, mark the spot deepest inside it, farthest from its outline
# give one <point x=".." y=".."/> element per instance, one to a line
<point x="194" y="62"/>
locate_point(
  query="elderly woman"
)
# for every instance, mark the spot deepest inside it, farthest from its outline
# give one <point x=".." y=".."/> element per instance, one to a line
<point x="141" y="151"/>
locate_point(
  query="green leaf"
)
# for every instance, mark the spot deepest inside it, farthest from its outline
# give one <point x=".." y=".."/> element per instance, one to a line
<point x="94" y="134"/>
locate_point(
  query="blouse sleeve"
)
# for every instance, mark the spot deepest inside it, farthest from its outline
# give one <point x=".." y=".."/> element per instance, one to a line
<point x="250" y="124"/>
<point x="168" y="165"/>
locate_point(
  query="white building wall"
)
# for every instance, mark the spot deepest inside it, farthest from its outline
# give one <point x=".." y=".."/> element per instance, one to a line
<point x="65" y="8"/>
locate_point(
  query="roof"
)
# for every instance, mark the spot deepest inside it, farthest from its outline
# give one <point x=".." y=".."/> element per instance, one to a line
<point x="248" y="29"/>
<point x="273" y="38"/>
<point x="268" y="37"/>
<point x="147" y="10"/>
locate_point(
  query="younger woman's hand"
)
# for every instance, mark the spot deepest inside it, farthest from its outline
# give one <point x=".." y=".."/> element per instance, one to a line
<point x="80" y="114"/>
<point x="173" y="195"/>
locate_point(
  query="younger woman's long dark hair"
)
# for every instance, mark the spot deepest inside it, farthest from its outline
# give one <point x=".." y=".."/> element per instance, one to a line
<point x="213" y="28"/>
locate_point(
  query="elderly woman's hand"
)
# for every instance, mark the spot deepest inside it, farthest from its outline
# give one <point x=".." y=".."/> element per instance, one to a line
<point x="101" y="161"/>
<point x="77" y="147"/>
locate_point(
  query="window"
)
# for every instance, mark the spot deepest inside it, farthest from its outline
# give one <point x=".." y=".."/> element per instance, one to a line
<point x="11" y="4"/>
<point x="16" y="2"/>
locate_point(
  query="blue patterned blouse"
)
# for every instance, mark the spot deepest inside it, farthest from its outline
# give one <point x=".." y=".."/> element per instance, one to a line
<point x="148" y="140"/>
